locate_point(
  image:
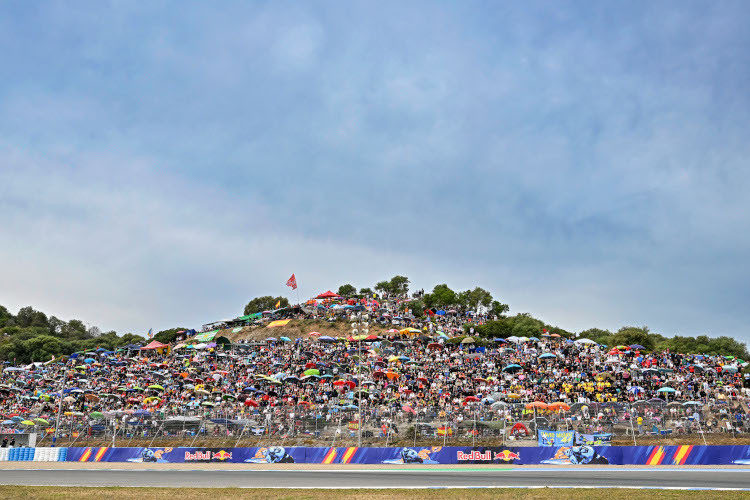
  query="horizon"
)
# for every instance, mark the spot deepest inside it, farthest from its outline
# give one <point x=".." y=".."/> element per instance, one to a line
<point x="163" y="164"/>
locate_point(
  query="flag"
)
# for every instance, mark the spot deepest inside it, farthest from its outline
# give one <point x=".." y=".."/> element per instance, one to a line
<point x="441" y="431"/>
<point x="278" y="304"/>
<point x="292" y="282"/>
<point x="150" y="332"/>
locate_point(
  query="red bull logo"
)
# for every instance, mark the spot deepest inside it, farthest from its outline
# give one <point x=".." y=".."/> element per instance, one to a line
<point x="222" y="455"/>
<point x="474" y="455"/>
<point x="198" y="455"/>
<point x="506" y="456"/>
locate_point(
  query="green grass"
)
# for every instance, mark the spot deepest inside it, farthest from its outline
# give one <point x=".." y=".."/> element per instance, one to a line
<point x="53" y="492"/>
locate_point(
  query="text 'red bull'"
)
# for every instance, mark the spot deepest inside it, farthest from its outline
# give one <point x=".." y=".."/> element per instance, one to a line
<point x="198" y="455"/>
<point x="474" y="455"/>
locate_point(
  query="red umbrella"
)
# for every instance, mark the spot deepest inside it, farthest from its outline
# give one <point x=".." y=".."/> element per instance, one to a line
<point x="471" y="399"/>
<point x="408" y="409"/>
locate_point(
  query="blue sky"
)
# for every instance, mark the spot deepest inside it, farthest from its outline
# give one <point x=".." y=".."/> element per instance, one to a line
<point x="161" y="163"/>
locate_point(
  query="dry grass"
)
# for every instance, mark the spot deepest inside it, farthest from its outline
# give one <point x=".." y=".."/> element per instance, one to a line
<point x="49" y="492"/>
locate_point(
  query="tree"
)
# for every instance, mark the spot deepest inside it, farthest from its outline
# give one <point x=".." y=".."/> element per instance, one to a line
<point x="474" y="299"/>
<point x="383" y="287"/>
<point x="524" y="325"/>
<point x="630" y="335"/>
<point x="5" y="316"/>
<point x="265" y="303"/>
<point x="74" y="329"/>
<point x="170" y="335"/>
<point x="441" y="297"/>
<point x="416" y="307"/>
<point x="399" y="285"/>
<point x="366" y="292"/>
<point x="27" y="316"/>
<point x="347" y="290"/>
<point x="597" y="335"/>
<point x="499" y="309"/>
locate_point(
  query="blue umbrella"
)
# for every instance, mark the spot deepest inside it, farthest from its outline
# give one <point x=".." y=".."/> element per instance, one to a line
<point x="89" y="360"/>
<point x="637" y="346"/>
<point x="286" y="339"/>
<point x="512" y="367"/>
<point x="547" y="355"/>
<point x="499" y="340"/>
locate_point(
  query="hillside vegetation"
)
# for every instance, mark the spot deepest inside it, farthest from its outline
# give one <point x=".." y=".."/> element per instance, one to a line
<point x="31" y="335"/>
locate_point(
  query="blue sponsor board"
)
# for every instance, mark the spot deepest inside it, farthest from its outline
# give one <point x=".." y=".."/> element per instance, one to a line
<point x="559" y="455"/>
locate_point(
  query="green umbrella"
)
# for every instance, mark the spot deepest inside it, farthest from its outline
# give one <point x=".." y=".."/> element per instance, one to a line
<point x="312" y="371"/>
<point x="41" y="421"/>
<point x="207" y="403"/>
<point x="96" y="414"/>
<point x="156" y="387"/>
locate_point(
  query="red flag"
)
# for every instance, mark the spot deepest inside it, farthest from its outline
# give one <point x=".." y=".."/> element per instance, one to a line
<point x="292" y="282"/>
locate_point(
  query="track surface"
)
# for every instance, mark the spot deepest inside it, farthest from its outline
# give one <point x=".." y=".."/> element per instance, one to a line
<point x="405" y="478"/>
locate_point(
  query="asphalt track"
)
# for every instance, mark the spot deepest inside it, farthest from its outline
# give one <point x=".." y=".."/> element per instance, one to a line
<point x="387" y="478"/>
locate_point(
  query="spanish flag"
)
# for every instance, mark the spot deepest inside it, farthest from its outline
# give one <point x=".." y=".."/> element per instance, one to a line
<point x="278" y="304"/>
<point x="441" y="431"/>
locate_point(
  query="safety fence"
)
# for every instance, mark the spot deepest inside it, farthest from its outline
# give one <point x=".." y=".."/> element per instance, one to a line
<point x="511" y="423"/>
<point x="571" y="455"/>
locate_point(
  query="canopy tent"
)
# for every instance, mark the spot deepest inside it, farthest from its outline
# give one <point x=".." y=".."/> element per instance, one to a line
<point x="249" y="317"/>
<point x="328" y="295"/>
<point x="156" y="345"/>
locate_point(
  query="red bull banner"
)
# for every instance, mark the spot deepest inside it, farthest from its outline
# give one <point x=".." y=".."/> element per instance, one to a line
<point x="563" y="455"/>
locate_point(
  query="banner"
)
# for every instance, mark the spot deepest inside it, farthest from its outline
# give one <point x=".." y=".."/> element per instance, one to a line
<point x="594" y="439"/>
<point x="556" y="438"/>
<point x="564" y="455"/>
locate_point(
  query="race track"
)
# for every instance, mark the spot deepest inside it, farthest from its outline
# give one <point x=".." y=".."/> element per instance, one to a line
<point x="386" y="478"/>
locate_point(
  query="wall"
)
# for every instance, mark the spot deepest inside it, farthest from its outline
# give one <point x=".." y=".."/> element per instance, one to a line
<point x="619" y="455"/>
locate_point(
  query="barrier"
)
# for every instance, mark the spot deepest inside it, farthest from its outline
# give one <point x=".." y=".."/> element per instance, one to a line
<point x="33" y="454"/>
<point x="572" y="455"/>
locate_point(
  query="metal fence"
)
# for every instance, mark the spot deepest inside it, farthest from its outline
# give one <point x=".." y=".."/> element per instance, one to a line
<point x="451" y="425"/>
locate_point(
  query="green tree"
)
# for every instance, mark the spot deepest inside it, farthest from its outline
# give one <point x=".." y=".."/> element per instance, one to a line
<point x="74" y="329"/>
<point x="27" y="316"/>
<point x="499" y="309"/>
<point x="524" y="325"/>
<point x="441" y="297"/>
<point x="474" y="299"/>
<point x="597" y="335"/>
<point x="630" y="335"/>
<point x="383" y="287"/>
<point x="5" y="316"/>
<point x="170" y="335"/>
<point x="347" y="290"/>
<point x="366" y="292"/>
<point x="416" y="307"/>
<point x="399" y="285"/>
<point x="265" y="303"/>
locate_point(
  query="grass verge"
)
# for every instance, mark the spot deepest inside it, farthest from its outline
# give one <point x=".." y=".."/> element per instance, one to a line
<point x="89" y="493"/>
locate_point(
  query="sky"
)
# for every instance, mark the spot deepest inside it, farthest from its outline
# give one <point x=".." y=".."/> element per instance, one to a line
<point x="162" y="163"/>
